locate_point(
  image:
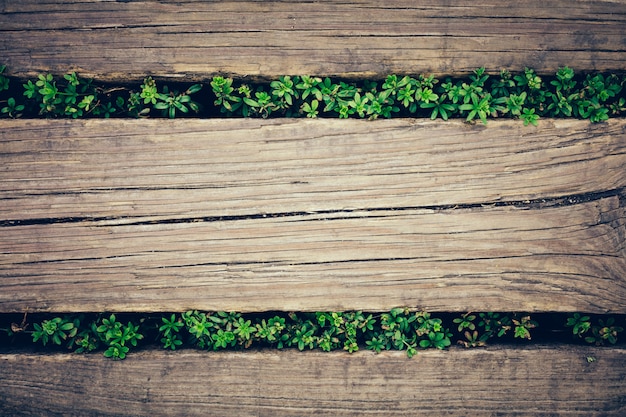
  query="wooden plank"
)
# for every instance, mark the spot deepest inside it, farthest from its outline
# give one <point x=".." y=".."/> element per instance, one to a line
<point x="162" y="170"/>
<point x="365" y="38"/>
<point x="255" y="215"/>
<point x="534" y="381"/>
<point x="568" y="258"/>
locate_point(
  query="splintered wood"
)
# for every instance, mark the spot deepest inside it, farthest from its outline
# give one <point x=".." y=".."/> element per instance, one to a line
<point x="256" y="215"/>
<point x="187" y="40"/>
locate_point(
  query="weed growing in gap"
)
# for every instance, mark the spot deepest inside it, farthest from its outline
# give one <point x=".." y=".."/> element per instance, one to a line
<point x="598" y="331"/>
<point x="525" y="96"/>
<point x="481" y="96"/>
<point x="118" y="337"/>
<point x="74" y="97"/>
<point x="399" y="329"/>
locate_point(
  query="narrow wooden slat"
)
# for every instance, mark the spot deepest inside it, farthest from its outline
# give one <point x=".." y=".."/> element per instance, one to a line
<point x="365" y="38"/>
<point x="520" y="382"/>
<point x="163" y="170"/>
<point x="252" y="215"/>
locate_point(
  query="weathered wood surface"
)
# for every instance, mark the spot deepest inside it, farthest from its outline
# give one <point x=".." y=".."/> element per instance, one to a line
<point x="365" y="38"/>
<point x="161" y="170"/>
<point x="538" y="381"/>
<point x="252" y="215"/>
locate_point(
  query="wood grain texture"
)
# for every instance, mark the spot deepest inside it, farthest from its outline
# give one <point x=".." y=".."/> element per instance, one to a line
<point x="159" y="169"/>
<point x="364" y="38"/>
<point x="311" y="215"/>
<point x="537" y="381"/>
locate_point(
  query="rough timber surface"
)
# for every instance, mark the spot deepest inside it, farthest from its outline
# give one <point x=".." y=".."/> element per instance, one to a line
<point x="536" y="381"/>
<point x="365" y="38"/>
<point x="253" y="215"/>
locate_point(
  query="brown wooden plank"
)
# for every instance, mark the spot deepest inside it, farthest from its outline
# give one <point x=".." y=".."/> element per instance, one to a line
<point x="163" y="170"/>
<point x="568" y="258"/>
<point x="365" y="38"/>
<point x="534" y="381"/>
<point x="253" y="215"/>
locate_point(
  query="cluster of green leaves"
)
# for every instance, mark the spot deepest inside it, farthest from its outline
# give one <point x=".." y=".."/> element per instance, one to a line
<point x="598" y="331"/>
<point x="83" y="336"/>
<point x="74" y="97"/>
<point x="489" y="325"/>
<point x="525" y="96"/>
<point x="481" y="96"/>
<point x="398" y="329"/>
<point x="117" y="337"/>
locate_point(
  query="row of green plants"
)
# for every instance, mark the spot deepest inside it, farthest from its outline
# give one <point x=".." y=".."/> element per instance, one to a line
<point x="398" y="329"/>
<point x="481" y="96"/>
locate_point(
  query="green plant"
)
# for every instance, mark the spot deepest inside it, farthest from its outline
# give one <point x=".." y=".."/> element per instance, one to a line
<point x="580" y="324"/>
<point x="199" y="328"/>
<point x="432" y="332"/>
<point x="503" y="85"/>
<point x="406" y="92"/>
<point x="522" y="327"/>
<point x="244" y="331"/>
<point x="529" y="80"/>
<point x="73" y="98"/>
<point x="439" y="340"/>
<point x="284" y="92"/>
<point x="440" y="108"/>
<point x="494" y="324"/>
<point x="310" y="109"/>
<point x="466" y="321"/>
<point x="398" y="329"/>
<point x="169" y="330"/>
<point x="529" y="116"/>
<point x="223" y="90"/>
<point x="376" y="343"/>
<point x="604" y="331"/>
<point x="303" y="336"/>
<point x="12" y="109"/>
<point x="309" y="86"/>
<point x="149" y="92"/>
<point x="342" y="330"/>
<point x="171" y="102"/>
<point x="480" y="96"/>
<point x="479" y="106"/>
<point x="473" y="339"/>
<point x="262" y="104"/>
<point x="515" y="103"/>
<point x="57" y="330"/>
<point x="117" y="336"/>
<point x="273" y="331"/>
<point x="597" y="332"/>
<point x="87" y="340"/>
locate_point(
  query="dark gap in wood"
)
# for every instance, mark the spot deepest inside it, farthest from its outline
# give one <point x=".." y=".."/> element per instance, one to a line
<point x="109" y="91"/>
<point x="542" y="203"/>
<point x="551" y="328"/>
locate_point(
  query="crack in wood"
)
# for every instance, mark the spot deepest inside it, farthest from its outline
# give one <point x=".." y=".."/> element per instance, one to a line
<point x="543" y="203"/>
